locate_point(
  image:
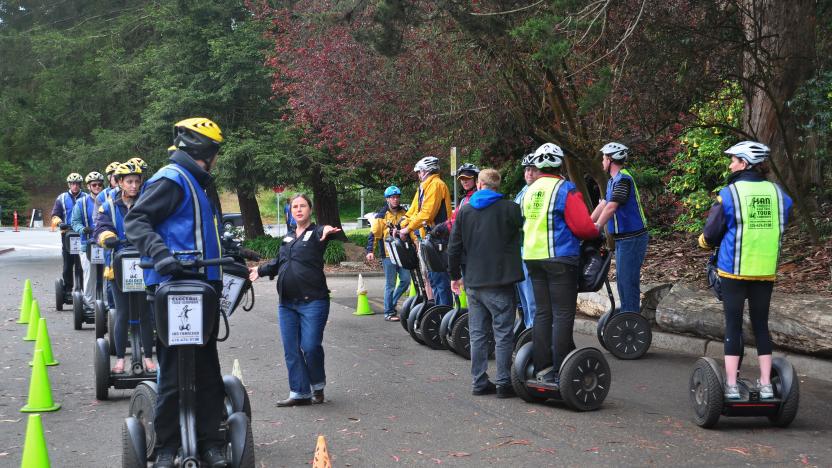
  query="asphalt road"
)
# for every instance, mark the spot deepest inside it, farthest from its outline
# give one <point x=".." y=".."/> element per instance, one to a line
<point x="391" y="401"/>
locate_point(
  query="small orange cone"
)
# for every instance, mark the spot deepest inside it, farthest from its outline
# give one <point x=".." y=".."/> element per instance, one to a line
<point x="43" y="344"/>
<point x="321" y="459"/>
<point x="40" y="392"/>
<point x="34" y="321"/>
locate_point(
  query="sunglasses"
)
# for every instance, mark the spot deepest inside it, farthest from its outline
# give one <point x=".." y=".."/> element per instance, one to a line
<point x="96" y="184"/>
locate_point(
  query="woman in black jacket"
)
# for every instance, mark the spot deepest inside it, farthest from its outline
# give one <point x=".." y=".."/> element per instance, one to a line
<point x="304" y="303"/>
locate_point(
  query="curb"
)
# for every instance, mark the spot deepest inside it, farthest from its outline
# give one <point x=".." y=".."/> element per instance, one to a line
<point x="10" y="249"/>
<point x="349" y="274"/>
<point x="806" y="365"/>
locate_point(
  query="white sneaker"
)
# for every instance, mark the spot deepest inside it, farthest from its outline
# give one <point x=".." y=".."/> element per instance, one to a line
<point x="766" y="391"/>
<point x="732" y="392"/>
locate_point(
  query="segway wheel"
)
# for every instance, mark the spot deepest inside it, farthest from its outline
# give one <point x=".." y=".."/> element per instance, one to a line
<point x="236" y="397"/>
<point x="111" y="330"/>
<point x="132" y="444"/>
<point x="102" y="368"/>
<point x="241" y="441"/>
<point x="445" y="327"/>
<point x="460" y="337"/>
<point x="77" y="310"/>
<point x="429" y="327"/>
<point x="602" y="322"/>
<point x="706" y="394"/>
<point x="405" y="313"/>
<point x="100" y="319"/>
<point x="628" y="336"/>
<point x="414" y="318"/>
<point x="406" y="306"/>
<point x="585" y="379"/>
<point x="59" y="294"/>
<point x="524" y="337"/>
<point x="788" y="408"/>
<point x="522" y="369"/>
<point x="143" y="409"/>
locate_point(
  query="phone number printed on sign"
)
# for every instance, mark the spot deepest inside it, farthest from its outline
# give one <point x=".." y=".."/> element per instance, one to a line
<point x="185" y="319"/>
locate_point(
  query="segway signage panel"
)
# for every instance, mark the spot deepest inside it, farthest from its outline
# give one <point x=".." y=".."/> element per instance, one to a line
<point x="234" y="279"/>
<point x="184" y="319"/>
<point x="96" y="255"/>
<point x="402" y="253"/>
<point x="74" y="244"/>
<point x="185" y="312"/>
<point x="132" y="279"/>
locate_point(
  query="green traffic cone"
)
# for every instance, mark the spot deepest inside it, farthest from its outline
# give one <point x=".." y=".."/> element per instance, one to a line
<point x="43" y="344"/>
<point x="412" y="291"/>
<point x="34" y="321"/>
<point x="25" y="303"/>
<point x="463" y="299"/>
<point x="40" y="392"/>
<point x="35" y="454"/>
<point x="363" y="307"/>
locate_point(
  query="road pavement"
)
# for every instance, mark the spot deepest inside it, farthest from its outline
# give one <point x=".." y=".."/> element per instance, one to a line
<point x="391" y="402"/>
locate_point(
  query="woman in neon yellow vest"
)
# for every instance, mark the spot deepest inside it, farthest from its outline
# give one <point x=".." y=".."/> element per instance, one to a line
<point x="747" y="223"/>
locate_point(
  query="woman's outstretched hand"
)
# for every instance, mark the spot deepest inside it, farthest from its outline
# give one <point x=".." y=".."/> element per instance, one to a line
<point x="329" y="230"/>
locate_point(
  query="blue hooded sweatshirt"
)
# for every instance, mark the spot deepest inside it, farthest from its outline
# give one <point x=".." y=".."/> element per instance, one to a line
<point x="484" y="198"/>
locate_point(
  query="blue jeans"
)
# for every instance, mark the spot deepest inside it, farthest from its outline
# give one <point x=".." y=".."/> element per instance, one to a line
<point x="526" y="293"/>
<point x="302" y="331"/>
<point x="391" y="297"/>
<point x="491" y="309"/>
<point x="440" y="283"/>
<point x="629" y="256"/>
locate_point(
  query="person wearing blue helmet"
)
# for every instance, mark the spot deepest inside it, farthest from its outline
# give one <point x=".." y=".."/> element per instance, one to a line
<point x="389" y="216"/>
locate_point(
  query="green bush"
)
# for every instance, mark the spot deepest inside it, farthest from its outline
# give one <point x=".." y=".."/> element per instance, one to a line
<point x="266" y="246"/>
<point x="334" y="253"/>
<point x="12" y="195"/>
<point x="359" y="236"/>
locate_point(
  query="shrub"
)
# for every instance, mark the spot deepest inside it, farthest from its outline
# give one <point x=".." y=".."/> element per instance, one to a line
<point x="12" y="195"/>
<point x="334" y="253"/>
<point x="266" y="246"/>
<point x="359" y="236"/>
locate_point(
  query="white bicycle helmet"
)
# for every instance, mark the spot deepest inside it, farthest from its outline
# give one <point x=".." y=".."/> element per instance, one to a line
<point x="74" y="177"/>
<point x="528" y="160"/>
<point x="548" y="155"/>
<point x="428" y="163"/>
<point x="751" y="152"/>
<point x="616" y="151"/>
<point x="94" y="177"/>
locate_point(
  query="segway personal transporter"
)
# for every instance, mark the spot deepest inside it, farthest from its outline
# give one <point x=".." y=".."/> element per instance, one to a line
<point x="707" y="382"/>
<point x="186" y="314"/>
<point x="71" y="241"/>
<point x="403" y="254"/>
<point x="130" y="281"/>
<point x="81" y="314"/>
<point x="424" y="320"/>
<point x="584" y="374"/>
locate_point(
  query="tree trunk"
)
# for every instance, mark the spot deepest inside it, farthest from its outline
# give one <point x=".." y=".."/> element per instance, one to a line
<point x="250" y="210"/>
<point x="325" y="200"/>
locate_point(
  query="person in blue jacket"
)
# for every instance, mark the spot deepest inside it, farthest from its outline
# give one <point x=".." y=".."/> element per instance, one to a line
<point x="61" y="218"/>
<point x="83" y="222"/>
<point x="99" y="200"/>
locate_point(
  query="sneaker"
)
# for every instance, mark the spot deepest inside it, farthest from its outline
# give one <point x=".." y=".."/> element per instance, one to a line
<point x="165" y="459"/>
<point x="547" y="375"/>
<point x="505" y="391"/>
<point x="732" y="392"/>
<point x="766" y="391"/>
<point x="214" y="458"/>
<point x="489" y="389"/>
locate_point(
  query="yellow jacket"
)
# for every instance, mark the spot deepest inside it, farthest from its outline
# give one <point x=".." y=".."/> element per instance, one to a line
<point x="431" y="204"/>
<point x="379" y="229"/>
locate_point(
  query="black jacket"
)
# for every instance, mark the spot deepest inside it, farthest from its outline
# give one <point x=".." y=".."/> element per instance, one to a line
<point x="489" y="240"/>
<point x="299" y="266"/>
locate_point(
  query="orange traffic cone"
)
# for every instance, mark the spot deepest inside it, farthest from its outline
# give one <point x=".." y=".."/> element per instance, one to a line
<point x="321" y="459"/>
<point x="40" y="393"/>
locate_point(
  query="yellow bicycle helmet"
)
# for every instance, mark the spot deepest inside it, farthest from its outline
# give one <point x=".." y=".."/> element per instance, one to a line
<point x="111" y="168"/>
<point x="126" y="169"/>
<point x="139" y="162"/>
<point x="199" y="137"/>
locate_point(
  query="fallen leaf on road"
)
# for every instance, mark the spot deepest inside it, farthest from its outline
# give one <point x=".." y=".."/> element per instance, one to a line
<point x="459" y="454"/>
<point x="395" y="458"/>
<point x="438" y="461"/>
<point x="10" y="420"/>
<point x="593" y="450"/>
<point x="354" y="419"/>
<point x="549" y="450"/>
<point x="740" y="450"/>
<point x="804" y="459"/>
<point x="354" y="449"/>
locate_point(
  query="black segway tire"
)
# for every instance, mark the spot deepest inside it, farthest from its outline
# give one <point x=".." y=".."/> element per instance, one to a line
<point x="102" y="368"/>
<point x="706" y="394"/>
<point x="240" y="441"/>
<point x="77" y="310"/>
<point x="430" y="323"/>
<point x="100" y="319"/>
<point x="406" y="306"/>
<point x="585" y="379"/>
<point x="791" y="400"/>
<point x="602" y="322"/>
<point x="522" y="369"/>
<point x="59" y="294"/>
<point x="460" y="337"/>
<point x="445" y="327"/>
<point x="236" y="397"/>
<point x="143" y="409"/>
<point x="415" y="317"/>
<point x="628" y="336"/>
<point x="404" y="315"/>
<point x="132" y="444"/>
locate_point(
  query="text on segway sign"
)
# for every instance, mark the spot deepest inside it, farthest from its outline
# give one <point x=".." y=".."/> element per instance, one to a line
<point x="184" y="319"/>
<point x="97" y="255"/>
<point x="231" y="288"/>
<point x="132" y="279"/>
<point x="74" y="245"/>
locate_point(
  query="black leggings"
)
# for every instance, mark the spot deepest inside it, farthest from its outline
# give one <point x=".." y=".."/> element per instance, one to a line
<point x="555" y="287"/>
<point x="734" y="294"/>
<point x="122" y="325"/>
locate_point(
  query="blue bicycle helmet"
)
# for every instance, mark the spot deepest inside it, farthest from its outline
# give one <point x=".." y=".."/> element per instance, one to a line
<point x="392" y="190"/>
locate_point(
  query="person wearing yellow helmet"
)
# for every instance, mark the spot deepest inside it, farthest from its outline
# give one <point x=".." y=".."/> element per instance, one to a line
<point x="82" y="222"/>
<point x="61" y="216"/>
<point x="109" y="232"/>
<point x="100" y="199"/>
<point x="179" y="210"/>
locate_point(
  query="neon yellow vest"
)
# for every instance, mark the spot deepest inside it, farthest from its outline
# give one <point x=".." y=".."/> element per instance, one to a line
<point x="536" y="209"/>
<point x="758" y="217"/>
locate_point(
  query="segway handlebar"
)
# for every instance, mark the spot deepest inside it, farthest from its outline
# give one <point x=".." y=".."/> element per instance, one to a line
<point x="147" y="264"/>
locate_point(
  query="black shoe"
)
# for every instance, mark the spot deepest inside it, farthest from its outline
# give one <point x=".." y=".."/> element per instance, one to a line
<point x="489" y="389"/>
<point x="294" y="402"/>
<point x="164" y="459"/>
<point x="505" y="391"/>
<point x="214" y="458"/>
<point x="318" y="397"/>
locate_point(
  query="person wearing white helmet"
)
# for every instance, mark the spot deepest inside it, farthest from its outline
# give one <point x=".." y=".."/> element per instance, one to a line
<point x="747" y="223"/>
<point x="524" y="288"/>
<point x="431" y="206"/>
<point x="61" y="217"/>
<point x="83" y="222"/>
<point x="555" y="221"/>
<point x="623" y="215"/>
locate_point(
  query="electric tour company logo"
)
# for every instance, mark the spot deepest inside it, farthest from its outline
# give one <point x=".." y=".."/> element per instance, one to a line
<point x="184" y="319"/>
<point x="760" y="212"/>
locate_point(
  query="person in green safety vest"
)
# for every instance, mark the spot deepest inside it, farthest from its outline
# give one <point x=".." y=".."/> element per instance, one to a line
<point x="747" y="223"/>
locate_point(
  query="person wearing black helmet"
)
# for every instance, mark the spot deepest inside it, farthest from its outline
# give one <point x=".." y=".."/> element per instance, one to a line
<point x="466" y="175"/>
<point x="161" y="222"/>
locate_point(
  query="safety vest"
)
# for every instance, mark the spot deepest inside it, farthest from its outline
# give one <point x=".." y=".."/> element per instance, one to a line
<point x="629" y="216"/>
<point x="755" y="215"/>
<point x="193" y="226"/>
<point x="67" y="204"/>
<point x="545" y="233"/>
<point x="106" y="197"/>
<point x="87" y="210"/>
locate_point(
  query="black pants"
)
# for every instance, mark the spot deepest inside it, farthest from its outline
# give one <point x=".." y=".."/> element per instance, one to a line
<point x="210" y="394"/>
<point x="70" y="261"/>
<point x="555" y="287"/>
<point x="734" y="294"/>
<point x="122" y="325"/>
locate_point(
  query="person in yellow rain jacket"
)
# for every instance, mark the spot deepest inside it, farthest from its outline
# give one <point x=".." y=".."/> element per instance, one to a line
<point x="431" y="206"/>
<point x="390" y="215"/>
